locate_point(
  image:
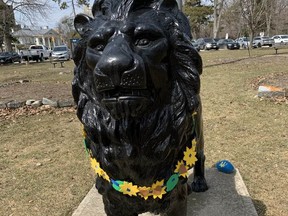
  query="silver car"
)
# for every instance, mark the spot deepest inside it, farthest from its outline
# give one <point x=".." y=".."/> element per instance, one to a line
<point x="61" y="53"/>
<point x="262" y="41"/>
<point x="244" y="42"/>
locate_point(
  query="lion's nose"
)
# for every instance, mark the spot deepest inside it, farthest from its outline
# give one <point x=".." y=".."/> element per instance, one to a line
<point x="115" y="63"/>
<point x="115" y="60"/>
<point x="119" y="67"/>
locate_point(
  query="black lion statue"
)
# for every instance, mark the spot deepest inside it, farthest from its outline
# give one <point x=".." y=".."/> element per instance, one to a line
<point x="136" y="85"/>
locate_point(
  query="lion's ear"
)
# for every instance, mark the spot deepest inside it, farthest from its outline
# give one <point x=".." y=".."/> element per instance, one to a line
<point x="105" y="7"/>
<point x="96" y="8"/>
<point x="80" y="23"/>
<point x="170" y="5"/>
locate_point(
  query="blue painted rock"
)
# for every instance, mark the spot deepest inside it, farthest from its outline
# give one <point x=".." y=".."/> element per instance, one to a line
<point x="225" y="166"/>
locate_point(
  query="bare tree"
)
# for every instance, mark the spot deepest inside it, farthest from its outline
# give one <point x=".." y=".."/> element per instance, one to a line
<point x="280" y="19"/>
<point x="231" y="21"/>
<point x="269" y="12"/>
<point x="30" y="9"/>
<point x="240" y="17"/>
<point x="253" y="12"/>
<point x="218" y="10"/>
<point x="66" y="28"/>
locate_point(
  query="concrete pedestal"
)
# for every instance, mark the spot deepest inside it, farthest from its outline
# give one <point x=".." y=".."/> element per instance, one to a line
<point x="227" y="196"/>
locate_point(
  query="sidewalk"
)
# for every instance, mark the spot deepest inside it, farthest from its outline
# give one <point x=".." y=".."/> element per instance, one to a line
<point x="227" y="196"/>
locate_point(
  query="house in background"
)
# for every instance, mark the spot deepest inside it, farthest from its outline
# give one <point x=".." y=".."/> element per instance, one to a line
<point x="43" y="36"/>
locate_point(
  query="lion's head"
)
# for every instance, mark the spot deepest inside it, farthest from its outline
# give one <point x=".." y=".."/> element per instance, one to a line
<point x="136" y="83"/>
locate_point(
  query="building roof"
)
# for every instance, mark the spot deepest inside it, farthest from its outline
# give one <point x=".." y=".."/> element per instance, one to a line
<point x="35" y="33"/>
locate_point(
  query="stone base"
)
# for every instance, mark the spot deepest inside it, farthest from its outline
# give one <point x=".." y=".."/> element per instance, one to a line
<point x="227" y="196"/>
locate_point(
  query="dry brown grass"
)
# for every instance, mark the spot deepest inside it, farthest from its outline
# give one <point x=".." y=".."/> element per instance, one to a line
<point x="250" y="133"/>
<point x="41" y="80"/>
<point x="44" y="169"/>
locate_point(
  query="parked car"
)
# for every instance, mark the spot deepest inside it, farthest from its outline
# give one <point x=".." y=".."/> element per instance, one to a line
<point x="9" y="57"/>
<point x="243" y="42"/>
<point x="228" y="44"/>
<point x="262" y="41"/>
<point x="196" y="45"/>
<point x="61" y="53"/>
<point x="280" y="39"/>
<point x="36" y="53"/>
<point x="207" y="43"/>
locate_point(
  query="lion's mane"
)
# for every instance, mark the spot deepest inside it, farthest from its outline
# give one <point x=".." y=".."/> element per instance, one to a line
<point x="165" y="131"/>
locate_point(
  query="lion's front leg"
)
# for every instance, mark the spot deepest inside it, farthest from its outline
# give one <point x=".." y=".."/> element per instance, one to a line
<point x="199" y="183"/>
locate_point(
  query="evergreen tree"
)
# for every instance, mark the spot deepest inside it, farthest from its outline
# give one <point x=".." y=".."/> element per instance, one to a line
<point x="198" y="14"/>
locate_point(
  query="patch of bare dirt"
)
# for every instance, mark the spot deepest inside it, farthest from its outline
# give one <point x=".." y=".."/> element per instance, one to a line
<point x="35" y="90"/>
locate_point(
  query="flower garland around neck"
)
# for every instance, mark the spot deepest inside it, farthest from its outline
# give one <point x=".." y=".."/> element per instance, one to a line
<point x="158" y="188"/>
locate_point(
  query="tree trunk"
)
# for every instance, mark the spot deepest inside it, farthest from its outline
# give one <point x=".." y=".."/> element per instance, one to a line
<point x="251" y="36"/>
<point x="6" y="27"/>
<point x="268" y="25"/>
<point x="215" y="27"/>
<point x="7" y="42"/>
<point x="218" y="8"/>
<point x="269" y="9"/>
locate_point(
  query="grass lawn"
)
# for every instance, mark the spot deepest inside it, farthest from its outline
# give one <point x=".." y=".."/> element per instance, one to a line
<point x="34" y="81"/>
<point x="45" y="171"/>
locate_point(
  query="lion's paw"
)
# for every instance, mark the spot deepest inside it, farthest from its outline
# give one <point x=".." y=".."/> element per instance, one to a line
<point x="199" y="184"/>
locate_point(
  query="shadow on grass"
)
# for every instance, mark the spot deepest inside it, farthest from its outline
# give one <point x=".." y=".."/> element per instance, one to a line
<point x="260" y="207"/>
<point x="228" y="62"/>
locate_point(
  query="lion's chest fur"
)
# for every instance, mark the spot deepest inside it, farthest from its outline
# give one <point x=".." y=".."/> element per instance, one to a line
<point x="142" y="151"/>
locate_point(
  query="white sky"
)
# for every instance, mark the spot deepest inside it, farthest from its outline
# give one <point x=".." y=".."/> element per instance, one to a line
<point x="52" y="20"/>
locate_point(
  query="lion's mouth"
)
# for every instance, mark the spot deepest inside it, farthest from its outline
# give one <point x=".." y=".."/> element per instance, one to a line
<point x="126" y="93"/>
<point x="126" y="103"/>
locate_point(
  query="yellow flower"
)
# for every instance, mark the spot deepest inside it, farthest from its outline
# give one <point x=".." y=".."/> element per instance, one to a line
<point x="104" y="175"/>
<point x="190" y="156"/>
<point x="98" y="170"/>
<point x="158" y="183"/>
<point x="158" y="189"/>
<point x="129" y="189"/>
<point x="145" y="192"/>
<point x="182" y="169"/>
<point x="95" y="165"/>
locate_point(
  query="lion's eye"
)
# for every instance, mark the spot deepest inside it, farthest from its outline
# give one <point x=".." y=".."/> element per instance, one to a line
<point x="99" y="47"/>
<point x="97" y="43"/>
<point x="142" y="42"/>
